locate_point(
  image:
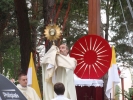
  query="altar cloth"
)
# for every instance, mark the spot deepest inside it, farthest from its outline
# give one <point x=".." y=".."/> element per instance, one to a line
<point x="88" y="82"/>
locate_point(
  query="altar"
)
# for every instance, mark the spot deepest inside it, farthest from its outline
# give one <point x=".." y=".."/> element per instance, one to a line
<point x="89" y="89"/>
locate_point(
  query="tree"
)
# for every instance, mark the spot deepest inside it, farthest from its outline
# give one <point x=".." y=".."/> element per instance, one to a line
<point x="48" y="14"/>
<point x="24" y="33"/>
<point x="115" y="31"/>
<point x="73" y="20"/>
<point x="119" y="23"/>
<point x="5" y="15"/>
<point x="11" y="57"/>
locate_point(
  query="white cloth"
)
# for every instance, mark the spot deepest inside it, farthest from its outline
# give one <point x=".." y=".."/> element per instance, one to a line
<point x="113" y="75"/>
<point x="87" y="82"/>
<point x="28" y="92"/>
<point x="61" y="72"/>
<point x="113" y="79"/>
<point x="60" y="97"/>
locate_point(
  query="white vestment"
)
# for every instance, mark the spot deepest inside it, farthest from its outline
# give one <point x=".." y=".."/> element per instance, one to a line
<point x="28" y="92"/>
<point x="60" y="97"/>
<point x="58" y="68"/>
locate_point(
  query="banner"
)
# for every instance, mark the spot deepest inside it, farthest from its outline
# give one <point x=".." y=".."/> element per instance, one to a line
<point x="32" y="77"/>
<point x="8" y="90"/>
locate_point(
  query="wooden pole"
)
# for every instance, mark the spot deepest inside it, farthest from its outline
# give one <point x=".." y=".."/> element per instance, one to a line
<point x="94" y="17"/>
<point x="113" y="91"/>
<point x="110" y="96"/>
<point x="122" y="85"/>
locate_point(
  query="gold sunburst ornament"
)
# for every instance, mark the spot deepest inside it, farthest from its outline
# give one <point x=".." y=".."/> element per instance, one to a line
<point x="52" y="32"/>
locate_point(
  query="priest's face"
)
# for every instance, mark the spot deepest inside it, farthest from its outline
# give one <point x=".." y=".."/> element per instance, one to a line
<point x="63" y="49"/>
<point x="23" y="81"/>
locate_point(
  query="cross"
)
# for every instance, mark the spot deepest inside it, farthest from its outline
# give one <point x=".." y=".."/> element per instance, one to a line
<point x="86" y="96"/>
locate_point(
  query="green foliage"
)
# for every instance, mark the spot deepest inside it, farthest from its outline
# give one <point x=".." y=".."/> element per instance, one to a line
<point x="11" y="62"/>
<point x="76" y="25"/>
<point x="127" y="95"/>
<point x="9" y="48"/>
<point x="6" y="6"/>
<point x="117" y="88"/>
<point x="119" y="34"/>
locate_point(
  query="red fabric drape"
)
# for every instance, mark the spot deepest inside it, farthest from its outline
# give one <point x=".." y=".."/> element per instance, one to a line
<point x="90" y="93"/>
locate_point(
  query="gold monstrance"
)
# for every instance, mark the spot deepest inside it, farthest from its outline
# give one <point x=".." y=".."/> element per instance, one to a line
<point x="52" y="32"/>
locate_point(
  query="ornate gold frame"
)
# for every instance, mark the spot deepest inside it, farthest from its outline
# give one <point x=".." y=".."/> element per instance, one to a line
<point x="52" y="32"/>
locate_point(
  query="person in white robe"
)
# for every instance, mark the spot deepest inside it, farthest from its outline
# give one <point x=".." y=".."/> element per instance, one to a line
<point x="57" y="66"/>
<point x="27" y="91"/>
<point x="59" y="90"/>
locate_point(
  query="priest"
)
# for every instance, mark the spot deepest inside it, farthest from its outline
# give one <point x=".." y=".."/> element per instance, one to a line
<point x="27" y="91"/>
<point x="58" y="66"/>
